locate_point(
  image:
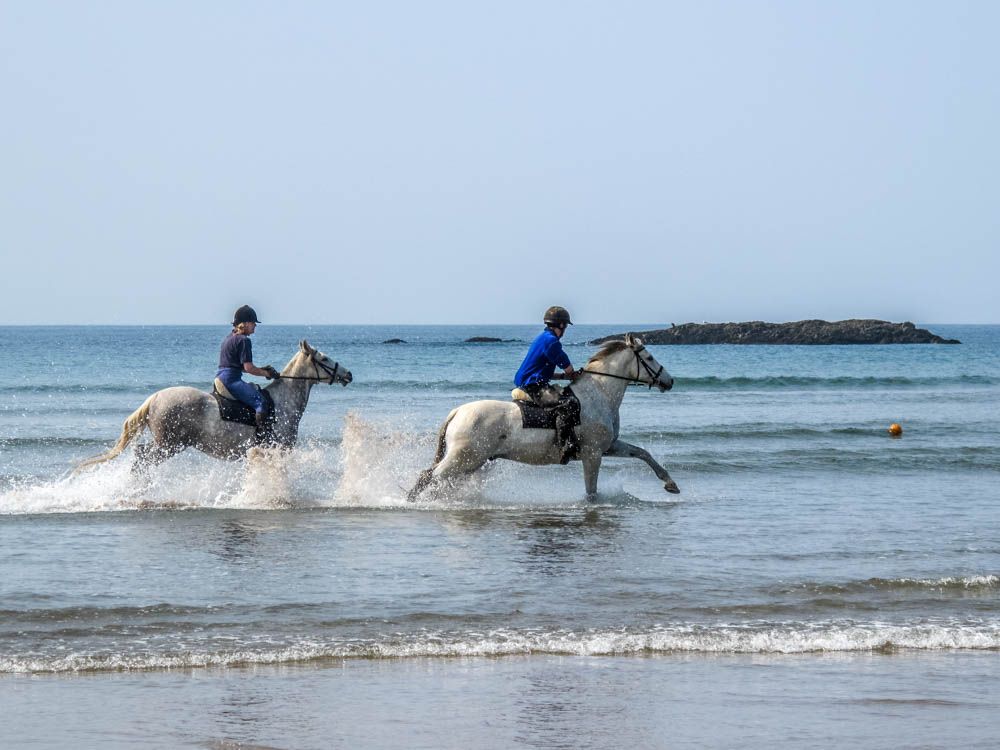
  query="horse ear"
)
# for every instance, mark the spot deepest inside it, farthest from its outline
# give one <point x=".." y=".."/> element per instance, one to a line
<point x="628" y="339"/>
<point x="304" y="346"/>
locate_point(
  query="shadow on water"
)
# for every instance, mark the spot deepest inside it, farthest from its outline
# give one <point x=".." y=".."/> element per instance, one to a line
<point x="554" y="704"/>
<point x="243" y="714"/>
<point x="236" y="540"/>
<point x="551" y="542"/>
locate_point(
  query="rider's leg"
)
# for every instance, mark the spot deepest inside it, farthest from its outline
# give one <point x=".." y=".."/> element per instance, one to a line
<point x="567" y="413"/>
<point x="566" y="409"/>
<point x="249" y="396"/>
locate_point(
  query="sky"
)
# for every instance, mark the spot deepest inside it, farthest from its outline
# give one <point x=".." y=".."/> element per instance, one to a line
<point x="468" y="162"/>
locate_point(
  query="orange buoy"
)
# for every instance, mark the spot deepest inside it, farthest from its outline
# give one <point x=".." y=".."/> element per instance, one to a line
<point x="895" y="430"/>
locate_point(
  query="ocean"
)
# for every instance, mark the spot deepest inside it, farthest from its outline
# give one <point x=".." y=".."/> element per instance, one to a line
<point x="817" y="583"/>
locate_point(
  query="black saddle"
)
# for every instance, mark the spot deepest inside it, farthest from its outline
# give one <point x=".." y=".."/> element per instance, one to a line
<point x="231" y="410"/>
<point x="544" y="417"/>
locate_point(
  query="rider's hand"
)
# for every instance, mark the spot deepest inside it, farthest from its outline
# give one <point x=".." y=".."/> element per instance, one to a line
<point x="272" y="374"/>
<point x="570" y="374"/>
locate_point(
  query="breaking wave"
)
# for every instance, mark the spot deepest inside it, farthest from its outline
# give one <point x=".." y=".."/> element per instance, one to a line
<point x="786" y="638"/>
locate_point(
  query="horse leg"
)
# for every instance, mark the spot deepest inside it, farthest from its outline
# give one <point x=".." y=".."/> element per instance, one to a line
<point x="425" y="478"/>
<point x="621" y="449"/>
<point x="460" y="461"/>
<point x="152" y="454"/>
<point x="591" y="468"/>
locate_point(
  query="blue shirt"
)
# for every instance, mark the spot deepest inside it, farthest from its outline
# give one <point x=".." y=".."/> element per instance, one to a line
<point x="236" y="350"/>
<point x="545" y="354"/>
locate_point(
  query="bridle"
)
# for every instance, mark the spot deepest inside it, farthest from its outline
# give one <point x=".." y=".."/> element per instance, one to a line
<point x="653" y="376"/>
<point x="331" y="371"/>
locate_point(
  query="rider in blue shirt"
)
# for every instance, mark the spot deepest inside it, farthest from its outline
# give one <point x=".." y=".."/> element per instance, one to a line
<point x="538" y="368"/>
<point x="236" y="357"/>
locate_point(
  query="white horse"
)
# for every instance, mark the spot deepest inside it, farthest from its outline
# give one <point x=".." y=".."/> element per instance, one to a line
<point x="183" y="417"/>
<point x="479" y="431"/>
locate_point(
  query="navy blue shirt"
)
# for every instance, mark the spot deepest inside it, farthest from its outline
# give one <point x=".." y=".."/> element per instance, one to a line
<point x="236" y="350"/>
<point x="545" y="354"/>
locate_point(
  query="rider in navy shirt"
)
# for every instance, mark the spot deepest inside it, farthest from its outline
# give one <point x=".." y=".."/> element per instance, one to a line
<point x="538" y="368"/>
<point x="236" y="357"/>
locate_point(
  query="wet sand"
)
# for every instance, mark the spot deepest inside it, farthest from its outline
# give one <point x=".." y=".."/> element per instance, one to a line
<point x="808" y="700"/>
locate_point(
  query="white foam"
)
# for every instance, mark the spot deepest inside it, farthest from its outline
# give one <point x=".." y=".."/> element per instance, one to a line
<point x="374" y="466"/>
<point x="966" y="581"/>
<point x="726" y="639"/>
<point x="378" y="463"/>
<point x="268" y="479"/>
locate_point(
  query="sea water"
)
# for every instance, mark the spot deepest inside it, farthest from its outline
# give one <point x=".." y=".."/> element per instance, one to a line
<point x="816" y="581"/>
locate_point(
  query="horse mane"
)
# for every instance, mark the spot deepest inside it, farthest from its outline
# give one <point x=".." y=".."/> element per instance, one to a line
<point x="609" y="348"/>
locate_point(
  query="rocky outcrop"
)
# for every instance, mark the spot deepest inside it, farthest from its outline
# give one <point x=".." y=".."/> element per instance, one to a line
<point x="801" y="332"/>
<point x="394" y="341"/>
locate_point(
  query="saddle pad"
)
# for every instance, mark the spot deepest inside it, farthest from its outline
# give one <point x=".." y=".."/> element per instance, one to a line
<point x="231" y="410"/>
<point x="535" y="416"/>
<point x="543" y="417"/>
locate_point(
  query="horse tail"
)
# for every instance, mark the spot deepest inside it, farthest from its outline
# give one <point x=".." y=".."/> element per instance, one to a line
<point x="427" y="475"/>
<point x="132" y="427"/>
<point x="442" y="447"/>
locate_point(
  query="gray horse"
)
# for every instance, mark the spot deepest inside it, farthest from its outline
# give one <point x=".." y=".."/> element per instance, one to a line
<point x="183" y="417"/>
<point x="479" y="431"/>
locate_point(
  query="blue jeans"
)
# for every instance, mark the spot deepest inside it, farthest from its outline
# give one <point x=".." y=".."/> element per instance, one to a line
<point x="243" y="391"/>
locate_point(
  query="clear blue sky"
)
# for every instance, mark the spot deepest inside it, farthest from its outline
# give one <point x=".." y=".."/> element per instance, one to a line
<point x="466" y="162"/>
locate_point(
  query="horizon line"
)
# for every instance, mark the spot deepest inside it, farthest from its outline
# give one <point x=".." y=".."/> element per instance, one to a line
<point x="414" y="325"/>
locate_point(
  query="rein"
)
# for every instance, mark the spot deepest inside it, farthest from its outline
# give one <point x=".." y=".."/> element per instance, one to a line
<point x="331" y="371"/>
<point x="654" y="376"/>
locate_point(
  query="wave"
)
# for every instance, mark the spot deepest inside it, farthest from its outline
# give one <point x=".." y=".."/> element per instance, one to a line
<point x="54" y="442"/>
<point x="727" y="460"/>
<point x="985" y="583"/>
<point x="785" y="638"/>
<point x="709" y="382"/>
<point x="77" y="388"/>
<point x="500" y="388"/>
<point x="778" y="431"/>
<point x="840" y="382"/>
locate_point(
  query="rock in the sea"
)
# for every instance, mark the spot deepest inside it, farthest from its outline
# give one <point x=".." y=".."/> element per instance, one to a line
<point x="856" y="331"/>
<point x="483" y="340"/>
<point x="394" y="341"/>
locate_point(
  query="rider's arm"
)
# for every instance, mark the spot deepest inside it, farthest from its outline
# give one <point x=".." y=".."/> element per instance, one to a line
<point x="557" y="356"/>
<point x="251" y="369"/>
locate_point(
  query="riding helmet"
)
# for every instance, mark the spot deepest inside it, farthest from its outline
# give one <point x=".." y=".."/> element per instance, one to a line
<point x="556" y="316"/>
<point x="245" y="314"/>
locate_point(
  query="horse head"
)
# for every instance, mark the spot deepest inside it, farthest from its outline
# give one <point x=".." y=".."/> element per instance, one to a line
<point x="650" y="371"/>
<point x="310" y="363"/>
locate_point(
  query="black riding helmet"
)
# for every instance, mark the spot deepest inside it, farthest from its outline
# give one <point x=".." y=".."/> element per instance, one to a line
<point x="245" y="314"/>
<point x="557" y="316"/>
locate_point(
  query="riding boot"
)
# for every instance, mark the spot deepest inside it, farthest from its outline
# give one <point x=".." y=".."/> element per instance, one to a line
<point x="566" y="438"/>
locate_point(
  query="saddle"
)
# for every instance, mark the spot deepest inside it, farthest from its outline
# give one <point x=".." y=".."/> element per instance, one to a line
<point x="543" y="417"/>
<point x="232" y="409"/>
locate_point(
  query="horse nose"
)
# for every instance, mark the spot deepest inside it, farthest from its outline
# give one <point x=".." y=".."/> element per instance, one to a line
<point x="347" y="379"/>
<point x="668" y="385"/>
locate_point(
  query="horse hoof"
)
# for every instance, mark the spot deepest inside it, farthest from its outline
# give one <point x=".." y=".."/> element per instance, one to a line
<point x="672" y="487"/>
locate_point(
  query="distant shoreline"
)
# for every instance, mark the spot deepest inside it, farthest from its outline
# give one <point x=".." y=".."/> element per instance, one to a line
<point x="378" y="325"/>
<point x="800" y="333"/>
